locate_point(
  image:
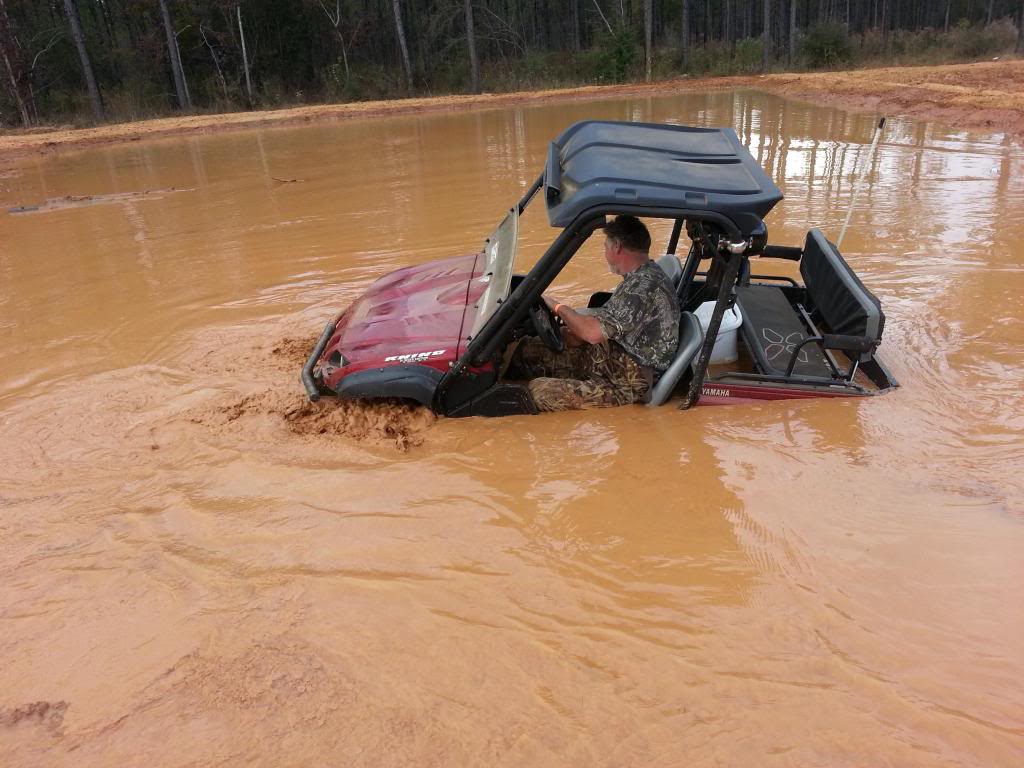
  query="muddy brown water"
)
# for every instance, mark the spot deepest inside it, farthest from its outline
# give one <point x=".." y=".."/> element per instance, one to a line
<point x="199" y="569"/>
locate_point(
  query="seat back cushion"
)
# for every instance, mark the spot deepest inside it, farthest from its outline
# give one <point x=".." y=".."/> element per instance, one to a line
<point x="670" y="265"/>
<point x="846" y="306"/>
<point x="691" y="337"/>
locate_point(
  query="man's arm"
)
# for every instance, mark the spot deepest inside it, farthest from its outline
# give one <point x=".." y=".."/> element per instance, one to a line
<point x="585" y="327"/>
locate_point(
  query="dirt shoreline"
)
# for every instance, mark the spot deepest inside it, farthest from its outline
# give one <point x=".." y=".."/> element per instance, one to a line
<point x="982" y="95"/>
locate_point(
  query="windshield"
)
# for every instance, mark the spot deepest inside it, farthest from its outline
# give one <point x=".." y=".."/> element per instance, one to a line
<point x="498" y="256"/>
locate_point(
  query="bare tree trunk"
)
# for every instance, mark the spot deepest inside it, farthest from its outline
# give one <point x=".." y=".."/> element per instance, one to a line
<point x="172" y="54"/>
<point x="245" y="57"/>
<point x="474" y="62"/>
<point x="31" y="77"/>
<point x="792" y="32"/>
<point x="648" y="35"/>
<point x="945" y="26"/>
<point x="83" y="55"/>
<point x="26" y="121"/>
<point x="335" y="20"/>
<point x="886" y="14"/>
<point x="181" y="69"/>
<point x="216" y="63"/>
<point x="766" y="39"/>
<point x="576" y="42"/>
<point x="401" y="44"/>
<point x="1020" y="29"/>
<point x="988" y="18"/>
<point x="686" y="33"/>
<point x="10" y="51"/>
<point x="727" y="25"/>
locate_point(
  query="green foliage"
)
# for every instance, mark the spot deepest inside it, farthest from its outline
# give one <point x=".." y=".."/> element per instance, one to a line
<point x="665" y="64"/>
<point x="827" y="45"/>
<point x="700" y="60"/>
<point x="534" y="66"/>
<point x="749" y="56"/>
<point x="337" y="85"/>
<point x="451" y="75"/>
<point x="974" y="41"/>
<point x="135" y="98"/>
<point x="719" y="59"/>
<point x="618" y="54"/>
<point x="933" y="46"/>
<point x="376" y="81"/>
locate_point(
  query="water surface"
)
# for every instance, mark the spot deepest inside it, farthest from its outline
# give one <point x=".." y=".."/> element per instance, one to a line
<point x="195" y="571"/>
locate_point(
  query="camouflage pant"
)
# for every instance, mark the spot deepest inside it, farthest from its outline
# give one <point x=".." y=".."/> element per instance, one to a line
<point x="588" y="376"/>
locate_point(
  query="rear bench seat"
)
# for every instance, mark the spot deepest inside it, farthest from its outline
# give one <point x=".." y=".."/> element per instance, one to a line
<point x="772" y="328"/>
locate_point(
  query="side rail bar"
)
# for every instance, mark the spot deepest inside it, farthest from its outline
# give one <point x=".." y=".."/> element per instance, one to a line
<point x="814" y="382"/>
<point x="565" y="245"/>
<point x="528" y="195"/>
<point x="782" y="252"/>
<point x="312" y="391"/>
<point x="778" y="278"/>
<point x="833" y="341"/>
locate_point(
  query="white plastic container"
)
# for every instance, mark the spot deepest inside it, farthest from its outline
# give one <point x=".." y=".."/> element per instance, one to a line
<point x="724" y="350"/>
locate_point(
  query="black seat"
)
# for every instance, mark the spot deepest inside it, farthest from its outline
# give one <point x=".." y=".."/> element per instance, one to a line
<point x="838" y="295"/>
<point x="772" y="329"/>
<point x="773" y="325"/>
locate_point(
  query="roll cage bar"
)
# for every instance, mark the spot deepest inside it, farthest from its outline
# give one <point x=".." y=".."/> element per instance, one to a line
<point x="511" y="313"/>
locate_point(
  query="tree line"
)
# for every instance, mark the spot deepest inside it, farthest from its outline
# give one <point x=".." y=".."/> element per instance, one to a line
<point x="127" y="59"/>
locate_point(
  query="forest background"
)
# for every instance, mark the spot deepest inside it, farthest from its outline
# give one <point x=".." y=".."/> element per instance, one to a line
<point x="85" y="61"/>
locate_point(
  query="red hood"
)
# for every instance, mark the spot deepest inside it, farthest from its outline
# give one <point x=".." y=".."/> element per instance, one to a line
<point x="410" y="315"/>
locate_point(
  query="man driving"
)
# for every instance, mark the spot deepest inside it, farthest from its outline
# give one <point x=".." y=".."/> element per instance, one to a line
<point x="613" y="352"/>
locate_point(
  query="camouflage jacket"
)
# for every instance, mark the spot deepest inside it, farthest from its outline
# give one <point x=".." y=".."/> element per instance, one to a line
<point x="642" y="315"/>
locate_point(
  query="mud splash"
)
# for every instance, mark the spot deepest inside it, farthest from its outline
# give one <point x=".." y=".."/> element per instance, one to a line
<point x="290" y="352"/>
<point x="395" y="423"/>
<point x="386" y="422"/>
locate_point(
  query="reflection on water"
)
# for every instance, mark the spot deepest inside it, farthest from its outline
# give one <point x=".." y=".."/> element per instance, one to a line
<point x="814" y="583"/>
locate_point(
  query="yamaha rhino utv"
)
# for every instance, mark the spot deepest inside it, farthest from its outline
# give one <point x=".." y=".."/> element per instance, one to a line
<point x="437" y="333"/>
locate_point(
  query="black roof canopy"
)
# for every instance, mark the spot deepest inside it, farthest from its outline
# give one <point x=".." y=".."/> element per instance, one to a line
<point x="651" y="166"/>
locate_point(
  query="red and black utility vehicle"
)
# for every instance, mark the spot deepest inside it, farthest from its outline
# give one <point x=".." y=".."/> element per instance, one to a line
<point x="437" y="333"/>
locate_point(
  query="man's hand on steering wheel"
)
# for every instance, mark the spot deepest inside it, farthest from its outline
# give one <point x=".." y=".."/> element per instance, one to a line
<point x="576" y="327"/>
<point x="551" y="302"/>
<point x="546" y="324"/>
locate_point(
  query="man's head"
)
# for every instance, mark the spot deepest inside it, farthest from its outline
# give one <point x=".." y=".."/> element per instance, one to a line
<point x="627" y="243"/>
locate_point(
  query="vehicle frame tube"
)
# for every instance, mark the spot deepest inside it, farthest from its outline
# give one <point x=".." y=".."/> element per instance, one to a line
<point x="562" y="249"/>
<point x="312" y="391"/>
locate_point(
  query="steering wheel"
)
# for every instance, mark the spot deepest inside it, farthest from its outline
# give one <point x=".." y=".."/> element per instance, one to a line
<point x="548" y="331"/>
